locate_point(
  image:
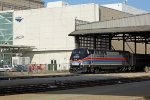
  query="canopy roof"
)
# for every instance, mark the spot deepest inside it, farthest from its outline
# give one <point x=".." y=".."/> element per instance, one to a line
<point x="129" y="25"/>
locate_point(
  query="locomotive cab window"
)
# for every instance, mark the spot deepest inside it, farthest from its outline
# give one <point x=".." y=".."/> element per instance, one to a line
<point x="91" y="51"/>
<point x="79" y="54"/>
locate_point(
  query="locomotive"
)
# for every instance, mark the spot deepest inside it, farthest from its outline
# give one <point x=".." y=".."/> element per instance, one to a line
<point x="84" y="60"/>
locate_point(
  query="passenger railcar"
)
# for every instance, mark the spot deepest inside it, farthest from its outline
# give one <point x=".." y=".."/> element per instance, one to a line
<point x="89" y="60"/>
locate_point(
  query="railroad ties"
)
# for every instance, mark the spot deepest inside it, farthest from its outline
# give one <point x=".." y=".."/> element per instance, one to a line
<point x="64" y="85"/>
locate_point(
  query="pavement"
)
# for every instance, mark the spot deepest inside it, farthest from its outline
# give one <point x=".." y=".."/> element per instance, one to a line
<point x="129" y="91"/>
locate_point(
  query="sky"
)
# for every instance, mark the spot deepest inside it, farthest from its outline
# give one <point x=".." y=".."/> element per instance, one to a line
<point x="141" y="4"/>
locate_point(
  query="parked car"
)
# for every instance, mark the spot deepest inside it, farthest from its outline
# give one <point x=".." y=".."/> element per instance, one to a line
<point x="6" y="68"/>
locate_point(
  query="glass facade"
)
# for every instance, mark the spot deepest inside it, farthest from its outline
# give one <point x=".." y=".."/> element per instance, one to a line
<point x="6" y="28"/>
<point x="6" y="37"/>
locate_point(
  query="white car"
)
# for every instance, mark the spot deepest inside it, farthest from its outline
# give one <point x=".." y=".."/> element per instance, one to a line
<point x="5" y="68"/>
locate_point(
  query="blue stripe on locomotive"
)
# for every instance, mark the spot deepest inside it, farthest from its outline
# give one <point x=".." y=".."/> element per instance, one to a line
<point x="103" y="61"/>
<point x="97" y="61"/>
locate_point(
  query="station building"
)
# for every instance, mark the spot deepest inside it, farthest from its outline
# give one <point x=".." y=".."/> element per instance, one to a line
<point x="43" y="33"/>
<point x="125" y="8"/>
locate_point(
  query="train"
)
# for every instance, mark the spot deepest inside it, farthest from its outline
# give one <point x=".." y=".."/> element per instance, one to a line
<point x="84" y="60"/>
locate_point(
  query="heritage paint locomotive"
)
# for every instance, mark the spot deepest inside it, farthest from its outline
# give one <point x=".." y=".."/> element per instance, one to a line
<point x="90" y="60"/>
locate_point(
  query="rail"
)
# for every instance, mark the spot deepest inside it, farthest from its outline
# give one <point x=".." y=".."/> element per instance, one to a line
<point x="59" y="85"/>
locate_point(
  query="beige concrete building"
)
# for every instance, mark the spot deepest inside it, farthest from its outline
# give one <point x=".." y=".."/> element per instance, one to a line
<point x="20" y="4"/>
<point x="125" y="8"/>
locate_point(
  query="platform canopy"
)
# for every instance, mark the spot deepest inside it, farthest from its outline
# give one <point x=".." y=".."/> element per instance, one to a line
<point x="134" y="25"/>
<point x="9" y="51"/>
<point x="16" y="46"/>
<point x="99" y="35"/>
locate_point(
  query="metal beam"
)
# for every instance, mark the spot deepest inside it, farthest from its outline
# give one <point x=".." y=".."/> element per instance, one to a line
<point x="94" y="42"/>
<point x="77" y="42"/>
<point x="135" y="44"/>
<point x="110" y="38"/>
<point x="123" y="42"/>
<point x="145" y="46"/>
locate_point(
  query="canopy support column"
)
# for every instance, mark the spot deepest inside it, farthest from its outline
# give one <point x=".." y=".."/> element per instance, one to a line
<point x="145" y="46"/>
<point x="123" y="42"/>
<point x="135" y="44"/>
<point x="110" y="38"/>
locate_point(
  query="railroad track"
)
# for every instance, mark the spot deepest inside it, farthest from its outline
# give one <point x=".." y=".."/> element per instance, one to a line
<point x="59" y="85"/>
<point x="30" y="77"/>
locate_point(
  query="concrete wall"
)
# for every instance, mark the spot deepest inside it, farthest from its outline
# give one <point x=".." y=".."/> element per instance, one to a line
<point x="45" y="57"/>
<point x="109" y="14"/>
<point x="129" y="46"/>
<point x="48" y="29"/>
<point x="56" y="4"/>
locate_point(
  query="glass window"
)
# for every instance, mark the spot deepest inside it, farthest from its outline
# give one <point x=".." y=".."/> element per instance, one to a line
<point x="6" y="28"/>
